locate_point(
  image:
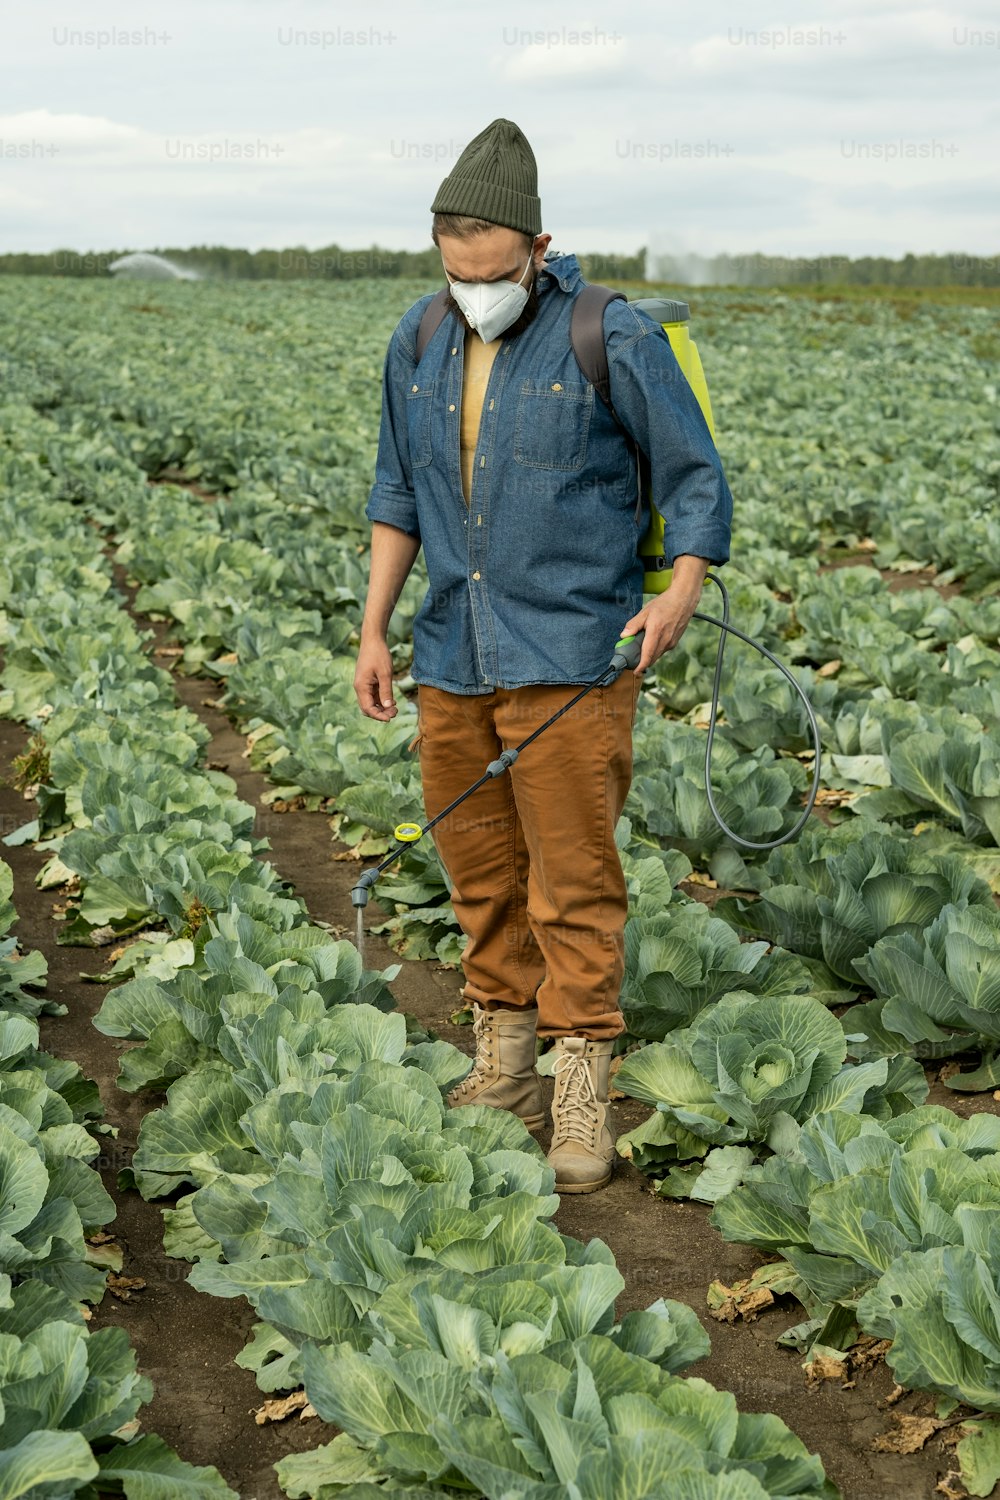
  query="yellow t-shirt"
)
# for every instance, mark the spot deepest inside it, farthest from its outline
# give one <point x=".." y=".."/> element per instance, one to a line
<point x="478" y="363"/>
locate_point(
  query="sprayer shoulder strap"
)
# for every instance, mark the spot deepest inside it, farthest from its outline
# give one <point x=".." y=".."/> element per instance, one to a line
<point x="432" y="318"/>
<point x="586" y="333"/>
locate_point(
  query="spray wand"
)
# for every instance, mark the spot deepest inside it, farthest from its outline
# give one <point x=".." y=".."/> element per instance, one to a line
<point x="627" y="652"/>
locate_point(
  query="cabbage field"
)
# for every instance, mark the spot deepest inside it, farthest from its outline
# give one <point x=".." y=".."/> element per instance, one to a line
<point x="245" y="1248"/>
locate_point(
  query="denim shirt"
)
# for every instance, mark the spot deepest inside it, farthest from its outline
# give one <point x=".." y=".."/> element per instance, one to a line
<point x="533" y="581"/>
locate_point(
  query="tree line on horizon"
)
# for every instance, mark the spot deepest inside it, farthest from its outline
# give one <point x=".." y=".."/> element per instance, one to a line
<point x="332" y="263"/>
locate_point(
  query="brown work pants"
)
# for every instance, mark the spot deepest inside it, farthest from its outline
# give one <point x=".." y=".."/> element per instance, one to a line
<point x="537" y="883"/>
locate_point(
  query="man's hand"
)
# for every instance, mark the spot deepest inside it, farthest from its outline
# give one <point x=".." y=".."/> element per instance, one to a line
<point x="393" y="552"/>
<point x="373" y="678"/>
<point x="666" y="617"/>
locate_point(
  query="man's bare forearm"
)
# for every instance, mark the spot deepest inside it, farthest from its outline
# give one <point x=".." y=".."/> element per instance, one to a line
<point x="392" y="556"/>
<point x="689" y="572"/>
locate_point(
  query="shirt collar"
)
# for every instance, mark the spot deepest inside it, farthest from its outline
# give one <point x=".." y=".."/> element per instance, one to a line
<point x="562" y="269"/>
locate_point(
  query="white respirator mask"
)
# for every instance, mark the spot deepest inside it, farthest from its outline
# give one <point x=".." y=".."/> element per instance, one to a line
<point x="490" y="306"/>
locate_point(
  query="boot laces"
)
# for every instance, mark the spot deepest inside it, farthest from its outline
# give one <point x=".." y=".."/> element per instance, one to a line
<point x="483" y="1032"/>
<point x="577" y="1098"/>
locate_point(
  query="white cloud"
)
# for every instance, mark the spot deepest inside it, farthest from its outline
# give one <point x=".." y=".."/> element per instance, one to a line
<point x="76" y="133"/>
<point x="219" y="132"/>
<point x="581" y="52"/>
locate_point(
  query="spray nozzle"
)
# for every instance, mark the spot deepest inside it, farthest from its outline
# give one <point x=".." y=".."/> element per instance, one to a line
<point x="628" y="651"/>
<point x="405" y="833"/>
<point x="359" y="892"/>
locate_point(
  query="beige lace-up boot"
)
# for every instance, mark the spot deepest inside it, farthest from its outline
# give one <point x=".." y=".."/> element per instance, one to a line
<point x="583" y="1137"/>
<point x="503" y="1073"/>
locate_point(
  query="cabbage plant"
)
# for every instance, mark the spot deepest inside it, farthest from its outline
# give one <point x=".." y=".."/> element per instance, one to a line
<point x="938" y="993"/>
<point x="679" y="961"/>
<point x="896" y="1221"/>
<point x="834" y="896"/>
<point x="750" y="1069"/>
<point x="20" y="973"/>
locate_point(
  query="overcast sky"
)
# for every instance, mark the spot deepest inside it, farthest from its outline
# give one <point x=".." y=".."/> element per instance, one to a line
<point x="867" y="127"/>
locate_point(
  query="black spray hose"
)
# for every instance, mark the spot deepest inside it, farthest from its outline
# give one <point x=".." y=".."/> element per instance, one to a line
<point x="408" y="833"/>
<point x="627" y="653"/>
<point x="727" y="629"/>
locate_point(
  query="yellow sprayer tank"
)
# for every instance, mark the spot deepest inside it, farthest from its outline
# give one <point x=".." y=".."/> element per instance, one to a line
<point x="674" y="317"/>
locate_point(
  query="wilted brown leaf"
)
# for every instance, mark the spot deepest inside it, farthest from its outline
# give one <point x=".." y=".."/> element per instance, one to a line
<point x="868" y="1351"/>
<point x="951" y="1486"/>
<point x="727" y="1303"/>
<point x="279" y="1408"/>
<point x="613" y="1067"/>
<point x="829" y="668"/>
<point x="832" y="796"/>
<point x="755" y="1302"/>
<point x="825" y="1367"/>
<point x="122" y="1287"/>
<point x="909" y="1435"/>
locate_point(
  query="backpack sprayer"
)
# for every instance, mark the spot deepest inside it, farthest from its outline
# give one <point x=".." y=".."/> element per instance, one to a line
<point x="588" y="343"/>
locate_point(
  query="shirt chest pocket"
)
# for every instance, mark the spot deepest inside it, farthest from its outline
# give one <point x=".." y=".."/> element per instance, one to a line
<point x="552" y="423"/>
<point x="418" y="424"/>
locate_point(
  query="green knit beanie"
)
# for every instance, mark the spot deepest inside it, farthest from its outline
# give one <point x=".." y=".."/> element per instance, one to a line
<point x="496" y="179"/>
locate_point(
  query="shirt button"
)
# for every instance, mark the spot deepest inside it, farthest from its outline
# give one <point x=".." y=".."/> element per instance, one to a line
<point x="475" y="575"/>
<point x="454" y="351"/>
<point x="491" y="406"/>
<point x="414" y="387"/>
<point x="557" y="386"/>
<point x="452" y="406"/>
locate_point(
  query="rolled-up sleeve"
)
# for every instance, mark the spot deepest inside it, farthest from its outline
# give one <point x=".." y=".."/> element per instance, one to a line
<point x="658" y="408"/>
<point x="392" y="498"/>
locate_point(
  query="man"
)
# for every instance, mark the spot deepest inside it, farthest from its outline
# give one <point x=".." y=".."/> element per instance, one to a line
<point x="499" y="458"/>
